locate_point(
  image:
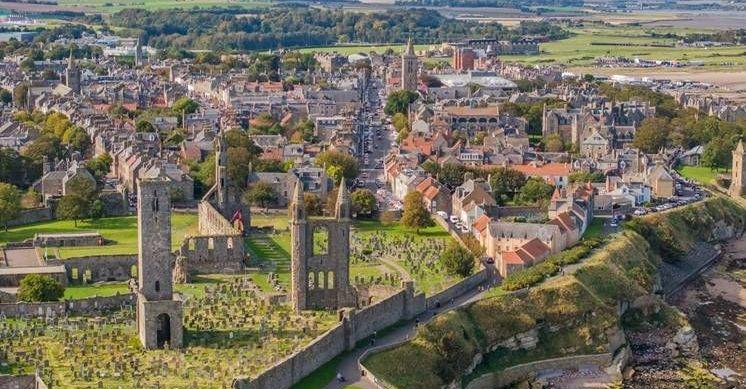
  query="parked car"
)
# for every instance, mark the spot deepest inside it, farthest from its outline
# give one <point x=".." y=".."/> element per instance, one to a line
<point x="453" y="219"/>
<point x="442" y="214"/>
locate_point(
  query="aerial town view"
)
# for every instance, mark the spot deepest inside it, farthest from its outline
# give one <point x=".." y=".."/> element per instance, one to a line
<point x="362" y="194"/>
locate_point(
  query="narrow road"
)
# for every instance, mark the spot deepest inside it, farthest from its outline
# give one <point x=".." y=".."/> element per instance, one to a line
<point x="349" y="367"/>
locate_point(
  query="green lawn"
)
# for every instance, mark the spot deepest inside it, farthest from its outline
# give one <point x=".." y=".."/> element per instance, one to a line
<point x="595" y="229"/>
<point x="122" y="231"/>
<point x="589" y="42"/>
<point x="196" y="288"/>
<point x="700" y="174"/>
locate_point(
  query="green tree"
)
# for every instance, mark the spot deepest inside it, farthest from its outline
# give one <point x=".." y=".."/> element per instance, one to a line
<point x="6" y="97"/>
<point x="506" y="183"/>
<point x="260" y="193"/>
<point x="457" y="260"/>
<point x="72" y="207"/>
<point x="451" y="174"/>
<point x="400" y="122"/>
<point x="77" y="139"/>
<point x="398" y="102"/>
<point x="652" y="135"/>
<point x="363" y="202"/>
<point x="717" y="153"/>
<point x="99" y="166"/>
<point x="239" y="160"/>
<point x="535" y="190"/>
<point x="586" y="177"/>
<point x="10" y="203"/>
<point x="338" y="164"/>
<point x="39" y="288"/>
<point x="143" y="125"/>
<point x="415" y="215"/>
<point x="185" y="105"/>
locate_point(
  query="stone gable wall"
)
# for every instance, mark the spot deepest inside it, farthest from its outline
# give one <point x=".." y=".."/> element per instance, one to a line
<point x="102" y="267"/>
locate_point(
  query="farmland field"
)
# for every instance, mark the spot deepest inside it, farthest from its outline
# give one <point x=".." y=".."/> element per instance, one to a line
<point x="110" y="6"/>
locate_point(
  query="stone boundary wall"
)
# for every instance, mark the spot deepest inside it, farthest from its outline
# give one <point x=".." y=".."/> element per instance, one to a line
<point x="457" y="289"/>
<point x="212" y="222"/>
<point x="354" y="326"/>
<point x="515" y="211"/>
<point x="68" y="307"/>
<point x="213" y="253"/>
<point x="34" y="215"/>
<point x="102" y="267"/>
<point x="26" y="381"/>
<point x="526" y="370"/>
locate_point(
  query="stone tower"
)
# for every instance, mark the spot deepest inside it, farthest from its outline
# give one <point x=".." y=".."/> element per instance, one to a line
<point x="409" y="68"/>
<point x="159" y="316"/>
<point x="320" y="277"/>
<point x="737" y="183"/>
<point x="138" y="52"/>
<point x="72" y="74"/>
<point x="221" y="164"/>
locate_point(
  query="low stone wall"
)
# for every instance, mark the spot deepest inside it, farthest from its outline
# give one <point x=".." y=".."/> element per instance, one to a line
<point x="69" y="307"/>
<point x="515" y="211"/>
<point x="35" y="215"/>
<point x="101" y="267"/>
<point x="26" y="381"/>
<point x="459" y="288"/>
<point x="528" y="370"/>
<point x="354" y="326"/>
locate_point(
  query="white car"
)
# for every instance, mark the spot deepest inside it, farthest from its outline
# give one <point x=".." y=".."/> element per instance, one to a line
<point x="453" y="219"/>
<point x="442" y="214"/>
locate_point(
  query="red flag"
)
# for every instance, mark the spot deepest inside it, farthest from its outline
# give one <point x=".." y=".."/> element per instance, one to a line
<point x="237" y="216"/>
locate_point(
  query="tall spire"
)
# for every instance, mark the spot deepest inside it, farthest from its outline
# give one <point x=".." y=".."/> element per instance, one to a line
<point x="297" y="206"/>
<point x="410" y="48"/>
<point x="343" y="202"/>
<point x="71" y="60"/>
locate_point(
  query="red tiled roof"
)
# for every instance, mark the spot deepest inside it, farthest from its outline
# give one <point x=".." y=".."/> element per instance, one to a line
<point x="547" y="170"/>
<point x="481" y="223"/>
<point x="535" y="248"/>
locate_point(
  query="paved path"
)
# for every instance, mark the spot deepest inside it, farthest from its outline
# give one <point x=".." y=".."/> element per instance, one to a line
<point x="349" y="367"/>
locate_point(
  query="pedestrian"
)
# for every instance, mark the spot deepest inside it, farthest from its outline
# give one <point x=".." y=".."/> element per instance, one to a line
<point x="340" y="377"/>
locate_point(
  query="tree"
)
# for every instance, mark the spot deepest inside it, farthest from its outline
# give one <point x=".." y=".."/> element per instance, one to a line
<point x="143" y="125"/>
<point x="314" y="206"/>
<point x="363" y="202"/>
<point x="72" y="207"/>
<point x="237" y="170"/>
<point x="99" y="166"/>
<point x="398" y="102"/>
<point x="39" y="288"/>
<point x="400" y="122"/>
<point x="652" y="135"/>
<point x="6" y="97"/>
<point x="554" y="143"/>
<point x="338" y="164"/>
<point x="717" y="153"/>
<point x="185" y="105"/>
<point x="10" y="203"/>
<point x="457" y="260"/>
<point x="77" y="139"/>
<point x="260" y="193"/>
<point x="451" y="174"/>
<point x="20" y="96"/>
<point x="506" y="183"/>
<point x="415" y="215"/>
<point x="82" y="186"/>
<point x="586" y="177"/>
<point x="535" y="190"/>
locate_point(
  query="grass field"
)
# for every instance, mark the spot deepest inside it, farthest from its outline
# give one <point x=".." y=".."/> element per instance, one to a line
<point x="122" y="231"/>
<point x="700" y="174"/>
<point x="196" y="288"/>
<point x="588" y="43"/>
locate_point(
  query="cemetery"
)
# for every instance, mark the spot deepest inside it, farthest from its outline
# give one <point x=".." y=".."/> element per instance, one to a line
<point x="230" y="330"/>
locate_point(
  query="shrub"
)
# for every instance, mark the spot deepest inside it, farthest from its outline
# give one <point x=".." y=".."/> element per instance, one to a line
<point x="36" y="288"/>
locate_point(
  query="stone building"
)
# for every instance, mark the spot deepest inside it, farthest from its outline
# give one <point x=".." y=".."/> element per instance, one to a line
<point x="72" y="75"/>
<point x="409" y="68"/>
<point x="320" y="275"/>
<point x="737" y="184"/>
<point x="159" y="315"/>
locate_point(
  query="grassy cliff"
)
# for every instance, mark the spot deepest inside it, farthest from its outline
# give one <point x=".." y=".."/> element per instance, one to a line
<point x="568" y="315"/>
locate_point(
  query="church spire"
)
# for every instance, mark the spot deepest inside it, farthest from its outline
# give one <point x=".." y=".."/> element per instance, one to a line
<point x="410" y="48"/>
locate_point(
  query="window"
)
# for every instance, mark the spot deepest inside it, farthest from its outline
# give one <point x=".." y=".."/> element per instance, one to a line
<point x="320" y="240"/>
<point x="157" y="286"/>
